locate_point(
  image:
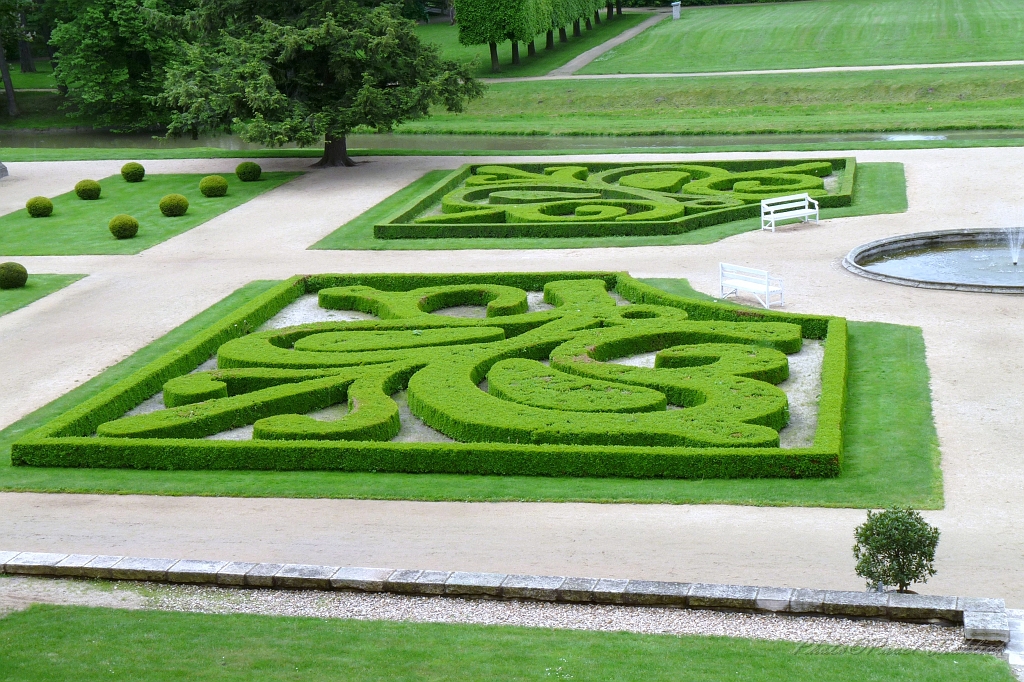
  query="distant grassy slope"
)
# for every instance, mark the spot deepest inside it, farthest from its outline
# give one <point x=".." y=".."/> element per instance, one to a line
<point x="447" y="38"/>
<point x="84" y="644"/>
<point x="824" y="33"/>
<point x="931" y="99"/>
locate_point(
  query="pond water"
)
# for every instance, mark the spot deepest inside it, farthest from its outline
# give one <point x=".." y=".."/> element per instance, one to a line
<point x="965" y="263"/>
<point x="456" y="143"/>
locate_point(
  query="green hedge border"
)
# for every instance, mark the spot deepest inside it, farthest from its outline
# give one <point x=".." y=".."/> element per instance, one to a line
<point x="67" y="442"/>
<point x="400" y="225"/>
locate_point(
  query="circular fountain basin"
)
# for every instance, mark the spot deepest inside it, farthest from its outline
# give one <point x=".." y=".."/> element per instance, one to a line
<point x="959" y="260"/>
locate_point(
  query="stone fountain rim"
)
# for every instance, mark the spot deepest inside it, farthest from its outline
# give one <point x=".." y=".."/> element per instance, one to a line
<point x="904" y="241"/>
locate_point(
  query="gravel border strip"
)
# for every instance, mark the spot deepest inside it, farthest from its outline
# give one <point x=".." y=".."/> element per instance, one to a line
<point x="984" y="620"/>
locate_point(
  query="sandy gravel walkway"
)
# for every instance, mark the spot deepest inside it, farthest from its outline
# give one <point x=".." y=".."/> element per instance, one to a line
<point x="973" y="341"/>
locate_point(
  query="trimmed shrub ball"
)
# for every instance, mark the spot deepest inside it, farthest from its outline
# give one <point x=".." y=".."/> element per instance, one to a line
<point x="213" y="186"/>
<point x="133" y="172"/>
<point x="173" y="205"/>
<point x="39" y="207"/>
<point x="12" y="275"/>
<point x="123" y="226"/>
<point x="88" y="190"/>
<point x="248" y="171"/>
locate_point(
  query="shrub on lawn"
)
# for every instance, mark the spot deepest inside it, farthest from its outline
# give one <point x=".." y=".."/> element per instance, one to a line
<point x="88" y="190"/>
<point x="174" y="205"/>
<point x="123" y="226"/>
<point x="248" y="171"/>
<point x="133" y="172"/>
<point x="39" y="207"/>
<point x="213" y="186"/>
<point x="12" y="275"/>
<point x="895" y="547"/>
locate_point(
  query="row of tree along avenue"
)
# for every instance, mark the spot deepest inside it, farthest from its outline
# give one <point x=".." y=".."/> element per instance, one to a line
<point x="489" y="22"/>
<point x="269" y="71"/>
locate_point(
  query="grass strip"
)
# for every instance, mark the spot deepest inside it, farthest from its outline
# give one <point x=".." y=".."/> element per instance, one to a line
<point x="976" y="98"/>
<point x="879" y="188"/>
<point x="80" y="227"/>
<point x="889" y="433"/>
<point x="80" y="643"/>
<point x="36" y="288"/>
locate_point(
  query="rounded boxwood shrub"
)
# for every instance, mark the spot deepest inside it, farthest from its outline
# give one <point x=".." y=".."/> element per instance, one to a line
<point x="88" y="190"/>
<point x="173" y="205"/>
<point x="895" y="548"/>
<point x="248" y="171"/>
<point x="39" y="207"/>
<point x="12" y="275"/>
<point x="133" y="172"/>
<point x="213" y="186"/>
<point x="123" y="226"/>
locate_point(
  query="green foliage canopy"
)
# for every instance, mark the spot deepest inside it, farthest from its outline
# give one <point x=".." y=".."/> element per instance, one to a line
<point x="895" y="547"/>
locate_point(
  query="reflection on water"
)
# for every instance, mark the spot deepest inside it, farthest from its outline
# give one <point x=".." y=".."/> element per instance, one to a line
<point x="979" y="263"/>
<point x="456" y="143"/>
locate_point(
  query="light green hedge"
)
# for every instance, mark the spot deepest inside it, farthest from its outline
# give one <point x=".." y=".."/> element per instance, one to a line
<point x="616" y="424"/>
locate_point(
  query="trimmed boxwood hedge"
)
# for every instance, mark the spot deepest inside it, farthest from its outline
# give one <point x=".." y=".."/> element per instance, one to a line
<point x="606" y="199"/>
<point x="271" y="378"/>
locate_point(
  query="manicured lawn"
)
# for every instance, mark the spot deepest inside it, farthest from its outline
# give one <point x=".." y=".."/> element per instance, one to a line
<point x="447" y="38"/>
<point x="42" y="78"/>
<point x="890" y="437"/>
<point x="932" y="99"/>
<point x="37" y="287"/>
<point x="824" y="33"/>
<point x="80" y="227"/>
<point x="79" y="643"/>
<point x="879" y="188"/>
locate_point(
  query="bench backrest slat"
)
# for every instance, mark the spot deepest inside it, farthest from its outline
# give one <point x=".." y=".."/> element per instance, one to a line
<point x="781" y="200"/>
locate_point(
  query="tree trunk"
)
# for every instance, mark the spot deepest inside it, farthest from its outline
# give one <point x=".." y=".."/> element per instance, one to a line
<point x="618" y="8"/>
<point x="495" y="67"/>
<point x="515" y="52"/>
<point x="611" y="11"/>
<point x="5" y="74"/>
<point x="562" y="37"/>
<point x="550" y="43"/>
<point x="335" y="153"/>
<point x="576" y="33"/>
<point x="597" y="17"/>
<point x="531" y="49"/>
<point x="28" y="65"/>
<point x="590" y="26"/>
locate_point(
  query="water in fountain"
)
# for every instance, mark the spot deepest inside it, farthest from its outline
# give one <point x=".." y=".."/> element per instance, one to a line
<point x="1015" y="238"/>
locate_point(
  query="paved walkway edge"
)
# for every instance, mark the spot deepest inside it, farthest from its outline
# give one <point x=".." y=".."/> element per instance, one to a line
<point x="578" y="62"/>
<point x="984" y="620"/>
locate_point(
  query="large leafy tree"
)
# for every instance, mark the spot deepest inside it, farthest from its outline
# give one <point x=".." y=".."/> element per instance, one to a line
<point x="307" y="70"/>
<point x="111" y="57"/>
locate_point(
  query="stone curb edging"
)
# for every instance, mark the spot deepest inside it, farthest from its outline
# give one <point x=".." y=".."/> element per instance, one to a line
<point x="984" y="620"/>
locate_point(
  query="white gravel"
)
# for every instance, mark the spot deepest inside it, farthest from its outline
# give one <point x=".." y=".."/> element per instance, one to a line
<point x="18" y="592"/>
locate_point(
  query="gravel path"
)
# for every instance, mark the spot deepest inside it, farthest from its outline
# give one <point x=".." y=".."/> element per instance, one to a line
<point x="205" y="599"/>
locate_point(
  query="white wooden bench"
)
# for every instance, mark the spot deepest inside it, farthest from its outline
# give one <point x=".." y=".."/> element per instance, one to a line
<point x="789" y="207"/>
<point x="733" y="279"/>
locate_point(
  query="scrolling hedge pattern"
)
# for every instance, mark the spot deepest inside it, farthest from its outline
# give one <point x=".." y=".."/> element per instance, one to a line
<point x="549" y="379"/>
<point x="580" y="385"/>
<point x="580" y="200"/>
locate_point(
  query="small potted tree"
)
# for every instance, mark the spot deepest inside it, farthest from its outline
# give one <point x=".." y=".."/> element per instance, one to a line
<point x="895" y="548"/>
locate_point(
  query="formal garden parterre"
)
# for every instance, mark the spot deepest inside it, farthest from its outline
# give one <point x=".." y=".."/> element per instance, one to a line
<point x="605" y="199"/>
<point x="580" y="416"/>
